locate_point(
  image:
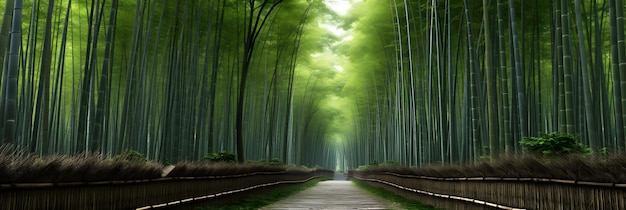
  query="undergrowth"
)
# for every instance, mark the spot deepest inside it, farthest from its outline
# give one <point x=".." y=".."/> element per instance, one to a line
<point x="400" y="201"/>
<point x="263" y="199"/>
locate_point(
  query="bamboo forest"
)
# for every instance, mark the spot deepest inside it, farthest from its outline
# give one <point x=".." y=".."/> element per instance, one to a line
<point x="329" y="83"/>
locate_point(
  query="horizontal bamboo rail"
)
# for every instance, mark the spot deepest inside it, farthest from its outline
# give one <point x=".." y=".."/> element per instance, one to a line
<point x="500" y="193"/>
<point x="142" y="194"/>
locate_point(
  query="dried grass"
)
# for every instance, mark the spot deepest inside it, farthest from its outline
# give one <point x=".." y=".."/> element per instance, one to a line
<point x="609" y="170"/>
<point x="29" y="168"/>
<point x="20" y="167"/>
<point x="202" y="169"/>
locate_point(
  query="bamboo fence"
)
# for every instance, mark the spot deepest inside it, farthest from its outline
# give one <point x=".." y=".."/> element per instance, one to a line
<point x="500" y="193"/>
<point x="142" y="194"/>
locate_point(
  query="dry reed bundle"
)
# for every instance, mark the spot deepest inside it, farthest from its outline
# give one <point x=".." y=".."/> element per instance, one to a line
<point x="29" y="168"/>
<point x="204" y="169"/>
<point x="20" y="167"/>
<point x="572" y="182"/>
<point x="607" y="170"/>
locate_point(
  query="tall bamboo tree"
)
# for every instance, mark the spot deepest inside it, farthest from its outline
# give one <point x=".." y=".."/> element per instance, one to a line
<point x="10" y="89"/>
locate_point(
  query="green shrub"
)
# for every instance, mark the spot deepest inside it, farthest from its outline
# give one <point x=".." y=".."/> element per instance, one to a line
<point x="131" y="156"/>
<point x="276" y="162"/>
<point x="375" y="163"/>
<point x="604" y="152"/>
<point x="554" y="144"/>
<point x="390" y="163"/>
<point x="221" y="157"/>
<point x="273" y="161"/>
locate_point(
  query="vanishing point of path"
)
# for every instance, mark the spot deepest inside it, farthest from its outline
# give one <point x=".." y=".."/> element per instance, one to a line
<point x="331" y="195"/>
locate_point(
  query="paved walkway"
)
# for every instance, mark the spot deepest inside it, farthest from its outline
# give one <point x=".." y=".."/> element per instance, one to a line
<point x="331" y="195"/>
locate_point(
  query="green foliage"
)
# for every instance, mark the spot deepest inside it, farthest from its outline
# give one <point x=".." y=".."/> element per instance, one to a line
<point x="390" y="163"/>
<point x="130" y="156"/>
<point x="375" y="163"/>
<point x="227" y="157"/>
<point x="273" y="161"/>
<point x="554" y="144"/>
<point x="276" y="161"/>
<point x="604" y="152"/>
<point x="485" y="154"/>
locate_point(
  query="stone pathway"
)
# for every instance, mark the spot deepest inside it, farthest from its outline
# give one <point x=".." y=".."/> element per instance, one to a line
<point x="331" y="195"/>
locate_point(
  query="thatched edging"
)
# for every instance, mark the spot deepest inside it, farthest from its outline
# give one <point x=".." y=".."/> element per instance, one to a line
<point x="491" y="192"/>
<point x="143" y="193"/>
<point x="562" y="181"/>
<point x="453" y="197"/>
<point x="187" y="200"/>
<point x="121" y="182"/>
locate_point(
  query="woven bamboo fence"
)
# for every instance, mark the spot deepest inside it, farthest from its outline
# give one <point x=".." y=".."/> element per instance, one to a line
<point x="143" y="194"/>
<point x="500" y="193"/>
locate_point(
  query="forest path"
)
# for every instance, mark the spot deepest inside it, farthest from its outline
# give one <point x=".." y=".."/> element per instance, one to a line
<point x="336" y="194"/>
